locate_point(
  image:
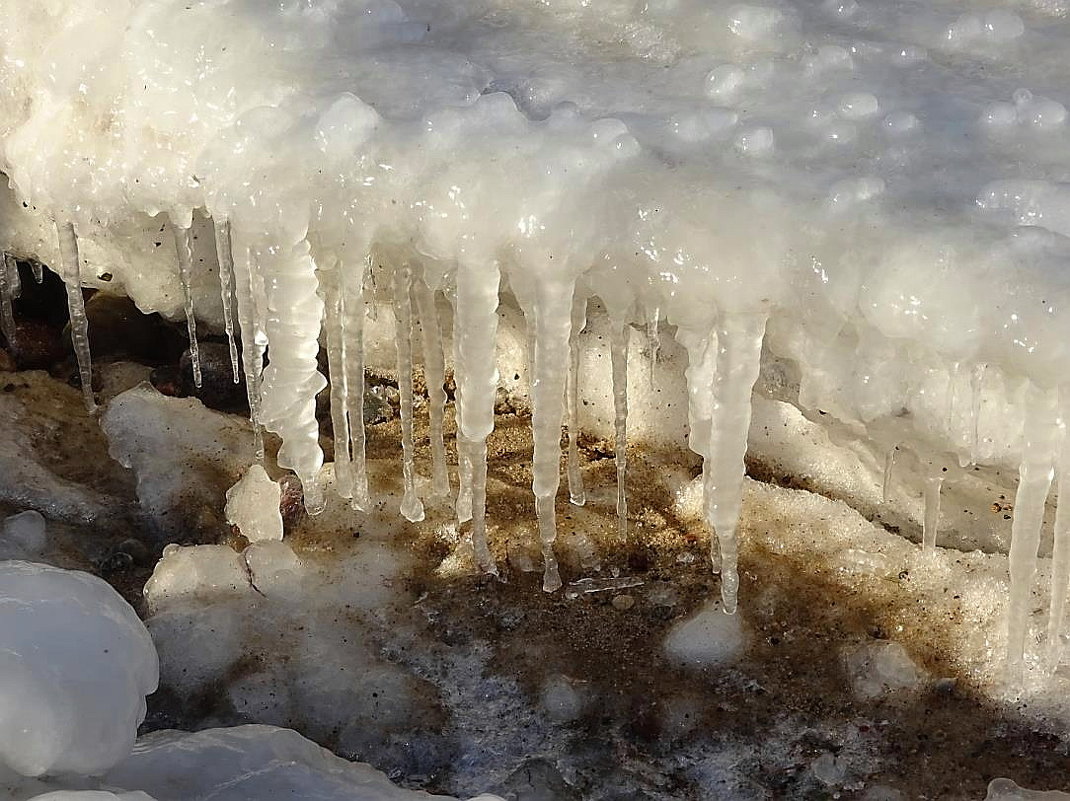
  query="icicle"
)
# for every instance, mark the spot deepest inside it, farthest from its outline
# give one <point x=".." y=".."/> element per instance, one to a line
<point x="931" y="522"/>
<point x="435" y="378"/>
<point x="463" y="504"/>
<point x="739" y="348"/>
<point x="38" y="271"/>
<point x="72" y="277"/>
<point x="291" y="379"/>
<point x="332" y="302"/>
<point x="249" y="316"/>
<point x="977" y="378"/>
<point x="411" y="507"/>
<point x="184" y="246"/>
<point x="1060" y="557"/>
<point x="952" y="384"/>
<point x="475" y="329"/>
<point x="619" y="356"/>
<point x="1034" y="481"/>
<point x="7" y="296"/>
<point x="576" y="493"/>
<point x="351" y="285"/>
<point x="225" y="260"/>
<point x="654" y="338"/>
<point x="553" y="324"/>
<point x="889" y="463"/>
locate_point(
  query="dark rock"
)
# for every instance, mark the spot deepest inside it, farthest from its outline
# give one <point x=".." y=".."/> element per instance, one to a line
<point x="217" y="390"/>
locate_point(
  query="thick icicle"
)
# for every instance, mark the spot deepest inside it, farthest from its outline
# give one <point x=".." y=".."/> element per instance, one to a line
<point x="351" y="286"/>
<point x="225" y="260"/>
<point x="619" y="356"/>
<point x="553" y="324"/>
<point x="889" y="463"/>
<point x="576" y="492"/>
<point x="1035" y="473"/>
<point x="931" y="522"/>
<point x="435" y="378"/>
<point x="249" y="316"/>
<point x="291" y="379"/>
<point x="411" y="507"/>
<point x="8" y="270"/>
<point x="475" y="331"/>
<point x="739" y="348"/>
<point x="184" y="247"/>
<point x="1060" y="557"/>
<point x="72" y="278"/>
<point x="332" y="302"/>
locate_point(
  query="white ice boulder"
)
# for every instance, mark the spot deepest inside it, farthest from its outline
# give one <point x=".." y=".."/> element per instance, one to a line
<point x="76" y="664"/>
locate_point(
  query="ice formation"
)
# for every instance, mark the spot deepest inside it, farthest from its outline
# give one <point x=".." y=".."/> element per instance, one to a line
<point x="871" y="193"/>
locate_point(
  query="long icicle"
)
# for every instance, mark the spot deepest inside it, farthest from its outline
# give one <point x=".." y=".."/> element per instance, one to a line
<point x="332" y="301"/>
<point x="7" y="297"/>
<point x="435" y="378"/>
<point x="184" y="247"/>
<point x="351" y="283"/>
<point x="889" y="463"/>
<point x="225" y="260"/>
<point x="619" y="357"/>
<point x="553" y="325"/>
<point x="248" y="330"/>
<point x="412" y="509"/>
<point x="1060" y="556"/>
<point x="1034" y="482"/>
<point x="739" y="348"/>
<point x="72" y="278"/>
<point x="977" y="380"/>
<point x="576" y="492"/>
<point x="463" y="503"/>
<point x="931" y="521"/>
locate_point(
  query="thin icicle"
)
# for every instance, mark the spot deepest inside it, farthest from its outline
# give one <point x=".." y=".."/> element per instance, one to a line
<point x="654" y="338"/>
<point x="8" y="269"/>
<point x="251" y="354"/>
<point x="889" y="463"/>
<point x="38" y="271"/>
<point x="412" y="509"/>
<point x="477" y="460"/>
<point x="463" y="505"/>
<point x="351" y="284"/>
<point x="619" y="356"/>
<point x="931" y="522"/>
<point x="184" y="246"/>
<point x="332" y="301"/>
<point x="435" y="378"/>
<point x="952" y="391"/>
<point x="576" y="492"/>
<point x="739" y="348"/>
<point x="72" y="278"/>
<point x="1060" y="557"/>
<point x="977" y="379"/>
<point x="1034" y="482"/>
<point x="225" y="260"/>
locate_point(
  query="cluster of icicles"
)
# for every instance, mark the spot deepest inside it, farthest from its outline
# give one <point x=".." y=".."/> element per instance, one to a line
<point x="301" y="296"/>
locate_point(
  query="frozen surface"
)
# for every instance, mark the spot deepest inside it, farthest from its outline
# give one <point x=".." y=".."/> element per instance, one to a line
<point x="77" y="665"/>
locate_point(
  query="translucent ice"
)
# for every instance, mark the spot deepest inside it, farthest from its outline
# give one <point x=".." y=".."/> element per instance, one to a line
<point x="253" y="505"/>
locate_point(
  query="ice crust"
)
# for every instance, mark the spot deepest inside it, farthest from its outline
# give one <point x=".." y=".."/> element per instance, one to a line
<point x="876" y="195"/>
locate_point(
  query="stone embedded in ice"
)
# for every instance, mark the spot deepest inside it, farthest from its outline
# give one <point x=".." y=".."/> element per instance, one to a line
<point x="882" y="667"/>
<point x="76" y="663"/>
<point x="253" y="505"/>
<point x="707" y="638"/>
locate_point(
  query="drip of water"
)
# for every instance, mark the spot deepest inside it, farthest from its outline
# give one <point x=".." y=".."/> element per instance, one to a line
<point x="435" y="378"/>
<point x="576" y="492"/>
<point x="184" y="247"/>
<point x="739" y="348"/>
<point x="619" y="356"/>
<point x="225" y="260"/>
<point x="411" y="507"/>
<point x="72" y="277"/>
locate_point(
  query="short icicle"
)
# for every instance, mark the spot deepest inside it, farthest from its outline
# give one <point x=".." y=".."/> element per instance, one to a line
<point x="412" y="509"/>
<point x="249" y="316"/>
<point x="72" y="278"/>
<point x="739" y="348"/>
<point x="38" y="271"/>
<point x="889" y="463"/>
<point x="1060" y="555"/>
<point x="553" y="324"/>
<point x="8" y="276"/>
<point x="184" y="247"/>
<point x="475" y="332"/>
<point x="576" y="493"/>
<point x="931" y="521"/>
<point x="435" y="378"/>
<point x="619" y="357"/>
<point x="225" y="260"/>
<point x="654" y="338"/>
<point x="977" y="380"/>
<point x="332" y="302"/>
<point x="1039" y="443"/>
<point x="351" y="287"/>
